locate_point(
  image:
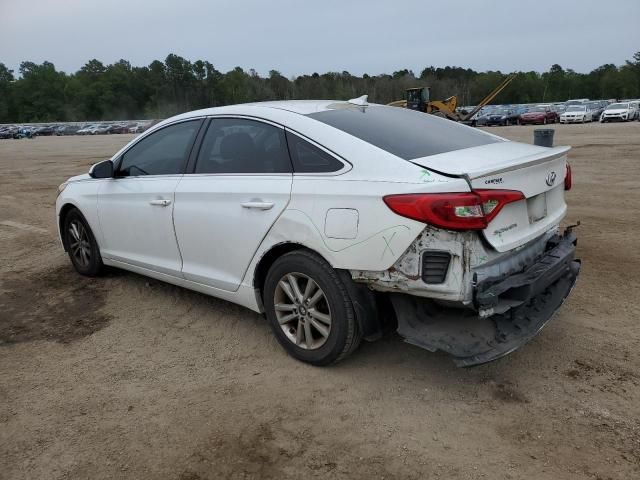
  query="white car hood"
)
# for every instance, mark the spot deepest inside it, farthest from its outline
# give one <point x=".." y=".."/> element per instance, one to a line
<point x="617" y="110"/>
<point x="78" y="178"/>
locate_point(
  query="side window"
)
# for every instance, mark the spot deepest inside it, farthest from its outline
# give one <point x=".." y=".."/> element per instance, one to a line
<point x="163" y="152"/>
<point x="238" y="145"/>
<point x="308" y="158"/>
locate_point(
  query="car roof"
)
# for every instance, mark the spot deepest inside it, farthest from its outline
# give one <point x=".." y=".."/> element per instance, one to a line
<point x="302" y="107"/>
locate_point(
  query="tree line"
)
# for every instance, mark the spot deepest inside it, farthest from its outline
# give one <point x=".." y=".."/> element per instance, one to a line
<point x="119" y="91"/>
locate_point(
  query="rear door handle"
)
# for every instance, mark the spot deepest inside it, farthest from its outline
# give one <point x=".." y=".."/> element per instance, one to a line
<point x="258" y="205"/>
<point x="160" y="203"/>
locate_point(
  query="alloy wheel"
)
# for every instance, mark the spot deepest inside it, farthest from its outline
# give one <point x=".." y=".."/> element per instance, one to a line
<point x="302" y="310"/>
<point x="79" y="243"/>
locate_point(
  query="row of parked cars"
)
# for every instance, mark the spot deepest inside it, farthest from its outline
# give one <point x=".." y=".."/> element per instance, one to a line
<point x="572" y="111"/>
<point x="31" y="131"/>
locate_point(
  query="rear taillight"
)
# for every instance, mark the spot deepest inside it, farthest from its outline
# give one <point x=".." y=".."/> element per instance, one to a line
<point x="568" y="179"/>
<point x="454" y="211"/>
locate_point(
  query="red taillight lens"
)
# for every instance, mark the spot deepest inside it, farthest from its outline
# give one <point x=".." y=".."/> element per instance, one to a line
<point x="568" y="179"/>
<point x="453" y="211"/>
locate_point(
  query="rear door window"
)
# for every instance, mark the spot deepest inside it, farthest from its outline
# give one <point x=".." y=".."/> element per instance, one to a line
<point x="238" y="145"/>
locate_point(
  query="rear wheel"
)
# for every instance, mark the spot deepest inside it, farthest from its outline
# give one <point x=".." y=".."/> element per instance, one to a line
<point x="81" y="245"/>
<point x="309" y="309"/>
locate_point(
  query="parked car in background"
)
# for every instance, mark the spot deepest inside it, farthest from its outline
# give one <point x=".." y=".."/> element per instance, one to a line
<point x="24" y="132"/>
<point x="137" y="129"/>
<point x="117" y="128"/>
<point x="67" y="130"/>
<point x="576" y="114"/>
<point x="44" y="131"/>
<point x="596" y="110"/>
<point x="86" y="130"/>
<point x="618" y="112"/>
<point x="541" y="114"/>
<point x="500" y="116"/>
<point x="635" y="105"/>
<point x="6" y="132"/>
<point x="319" y="210"/>
<point x="101" y="129"/>
<point x="577" y="101"/>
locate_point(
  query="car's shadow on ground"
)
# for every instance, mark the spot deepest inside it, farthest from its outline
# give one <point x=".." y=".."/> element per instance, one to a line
<point x="390" y="357"/>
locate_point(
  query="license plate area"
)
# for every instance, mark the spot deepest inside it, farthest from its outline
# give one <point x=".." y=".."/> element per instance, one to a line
<point x="537" y="207"/>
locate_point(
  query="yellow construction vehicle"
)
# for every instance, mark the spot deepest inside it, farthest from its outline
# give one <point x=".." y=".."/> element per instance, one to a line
<point x="420" y="99"/>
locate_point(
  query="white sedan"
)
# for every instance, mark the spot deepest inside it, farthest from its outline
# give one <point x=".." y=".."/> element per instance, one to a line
<point x="576" y="114"/>
<point x="338" y="220"/>
<point x="620" y="112"/>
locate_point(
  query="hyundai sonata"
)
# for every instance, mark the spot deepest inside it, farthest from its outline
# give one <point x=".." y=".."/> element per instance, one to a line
<point x="338" y="220"/>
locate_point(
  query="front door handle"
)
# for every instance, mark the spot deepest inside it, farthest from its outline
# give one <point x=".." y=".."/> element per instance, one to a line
<point x="160" y="203"/>
<point x="258" y="205"/>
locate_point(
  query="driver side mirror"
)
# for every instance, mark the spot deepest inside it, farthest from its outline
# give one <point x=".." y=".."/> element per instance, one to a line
<point x="103" y="169"/>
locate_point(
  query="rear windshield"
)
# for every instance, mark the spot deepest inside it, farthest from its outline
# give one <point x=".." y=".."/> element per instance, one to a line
<point x="405" y="133"/>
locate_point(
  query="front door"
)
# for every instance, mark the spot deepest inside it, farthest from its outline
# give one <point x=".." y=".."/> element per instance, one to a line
<point x="136" y="207"/>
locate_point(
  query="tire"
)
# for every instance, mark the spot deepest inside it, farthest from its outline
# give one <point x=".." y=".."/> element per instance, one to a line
<point x="85" y="257"/>
<point x="332" y="340"/>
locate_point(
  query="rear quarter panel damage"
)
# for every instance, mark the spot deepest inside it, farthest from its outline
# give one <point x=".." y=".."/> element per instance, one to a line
<point x="466" y="250"/>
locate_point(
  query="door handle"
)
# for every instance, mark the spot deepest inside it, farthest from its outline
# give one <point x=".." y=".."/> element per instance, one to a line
<point x="160" y="203"/>
<point x="257" y="205"/>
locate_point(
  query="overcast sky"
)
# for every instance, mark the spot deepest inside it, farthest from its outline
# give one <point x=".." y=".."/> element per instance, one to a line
<point x="297" y="36"/>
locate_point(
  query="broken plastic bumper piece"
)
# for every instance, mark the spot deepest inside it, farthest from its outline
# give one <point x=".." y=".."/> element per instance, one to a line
<point x="511" y="310"/>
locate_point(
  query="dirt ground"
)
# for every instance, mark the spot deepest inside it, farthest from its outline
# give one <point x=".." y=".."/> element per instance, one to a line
<point x="127" y="377"/>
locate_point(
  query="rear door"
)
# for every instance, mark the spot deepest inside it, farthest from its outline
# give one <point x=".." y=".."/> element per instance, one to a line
<point x="239" y="185"/>
<point x="136" y="207"/>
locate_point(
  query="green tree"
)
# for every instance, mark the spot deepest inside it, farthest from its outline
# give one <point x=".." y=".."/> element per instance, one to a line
<point x="6" y="83"/>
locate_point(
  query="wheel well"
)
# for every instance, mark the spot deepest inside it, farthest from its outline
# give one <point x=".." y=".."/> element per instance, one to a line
<point x="374" y="312"/>
<point x="64" y="211"/>
<point x="267" y="260"/>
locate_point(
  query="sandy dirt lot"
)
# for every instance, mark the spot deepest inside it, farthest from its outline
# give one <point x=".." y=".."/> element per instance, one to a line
<point x="126" y="377"/>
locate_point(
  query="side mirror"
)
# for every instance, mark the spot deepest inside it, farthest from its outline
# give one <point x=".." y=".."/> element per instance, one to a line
<point x="102" y="170"/>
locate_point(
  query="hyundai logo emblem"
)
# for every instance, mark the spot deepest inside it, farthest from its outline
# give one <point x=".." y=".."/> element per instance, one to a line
<point x="551" y="178"/>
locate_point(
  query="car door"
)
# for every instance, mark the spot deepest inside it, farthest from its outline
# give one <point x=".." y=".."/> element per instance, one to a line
<point x="135" y="207"/>
<point x="237" y="187"/>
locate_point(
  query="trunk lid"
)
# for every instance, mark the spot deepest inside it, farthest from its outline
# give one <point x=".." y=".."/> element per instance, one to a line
<point x="537" y="172"/>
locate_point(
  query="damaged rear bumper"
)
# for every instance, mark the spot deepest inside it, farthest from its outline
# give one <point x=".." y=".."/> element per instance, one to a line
<point x="511" y="310"/>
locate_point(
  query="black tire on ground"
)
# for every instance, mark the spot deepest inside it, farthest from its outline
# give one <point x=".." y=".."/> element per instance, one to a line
<point x="344" y="335"/>
<point x="75" y="227"/>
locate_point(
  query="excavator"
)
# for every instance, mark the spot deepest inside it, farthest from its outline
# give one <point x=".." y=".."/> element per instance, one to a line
<point x="420" y="99"/>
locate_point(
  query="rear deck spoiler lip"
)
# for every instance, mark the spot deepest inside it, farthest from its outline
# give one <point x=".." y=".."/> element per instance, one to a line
<point x="547" y="155"/>
<point x="528" y="161"/>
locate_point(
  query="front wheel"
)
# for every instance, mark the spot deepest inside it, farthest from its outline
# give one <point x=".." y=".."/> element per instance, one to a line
<point x="309" y="309"/>
<point x="81" y="245"/>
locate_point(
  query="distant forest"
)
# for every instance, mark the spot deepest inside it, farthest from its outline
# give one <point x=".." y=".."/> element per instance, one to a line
<point x="40" y="93"/>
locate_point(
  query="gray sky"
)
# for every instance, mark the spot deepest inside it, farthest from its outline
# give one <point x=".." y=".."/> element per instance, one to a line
<point x="297" y="37"/>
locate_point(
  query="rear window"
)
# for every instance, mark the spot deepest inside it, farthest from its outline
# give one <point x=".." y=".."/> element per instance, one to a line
<point x="405" y="133"/>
